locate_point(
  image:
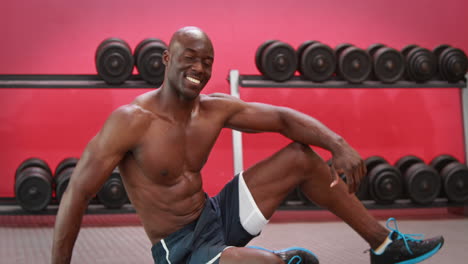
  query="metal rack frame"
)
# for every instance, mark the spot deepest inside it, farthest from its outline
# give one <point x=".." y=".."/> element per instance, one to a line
<point x="82" y="81"/>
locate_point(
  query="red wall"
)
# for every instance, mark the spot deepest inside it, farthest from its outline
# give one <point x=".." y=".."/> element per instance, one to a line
<point x="60" y="37"/>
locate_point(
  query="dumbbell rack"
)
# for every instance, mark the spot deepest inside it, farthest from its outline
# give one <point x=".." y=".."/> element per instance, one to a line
<point x="93" y="81"/>
<point x="257" y="81"/>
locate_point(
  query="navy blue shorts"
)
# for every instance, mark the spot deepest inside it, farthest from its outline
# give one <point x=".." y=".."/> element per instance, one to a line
<point x="203" y="240"/>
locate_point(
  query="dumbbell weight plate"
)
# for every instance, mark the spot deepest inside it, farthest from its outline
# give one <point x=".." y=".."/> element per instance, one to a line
<point x="455" y="182"/>
<point x="114" y="61"/>
<point x="259" y="54"/>
<point x="374" y="47"/>
<point x="373" y="161"/>
<point x="439" y="162"/>
<point x="300" y="50"/>
<point x="62" y="181"/>
<point x="371" y="50"/>
<point x="112" y="194"/>
<point x="64" y="164"/>
<point x="438" y="49"/>
<point x="33" y="184"/>
<point x="405" y="51"/>
<point x="149" y="61"/>
<point x="408" y="48"/>
<point x="340" y="48"/>
<point x="279" y="61"/>
<point x="422" y="183"/>
<point x="385" y="184"/>
<point x="33" y="189"/>
<point x="137" y="50"/>
<point x="318" y="62"/>
<point x="404" y="163"/>
<point x="33" y="162"/>
<point x="388" y="65"/>
<point x="421" y="64"/>
<point x="454" y="64"/>
<point x="354" y="65"/>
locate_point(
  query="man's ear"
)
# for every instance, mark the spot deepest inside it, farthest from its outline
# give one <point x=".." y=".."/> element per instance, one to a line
<point x="165" y="57"/>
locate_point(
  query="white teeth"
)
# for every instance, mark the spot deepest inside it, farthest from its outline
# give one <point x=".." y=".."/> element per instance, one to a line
<point x="193" y="80"/>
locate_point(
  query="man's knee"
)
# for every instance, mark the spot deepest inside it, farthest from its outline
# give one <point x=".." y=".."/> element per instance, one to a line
<point x="304" y="156"/>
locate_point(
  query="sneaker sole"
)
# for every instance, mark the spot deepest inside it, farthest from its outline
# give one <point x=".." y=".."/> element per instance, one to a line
<point x="422" y="257"/>
<point x="284" y="250"/>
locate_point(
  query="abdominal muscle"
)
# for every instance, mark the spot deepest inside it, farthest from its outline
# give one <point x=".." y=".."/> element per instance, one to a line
<point x="163" y="208"/>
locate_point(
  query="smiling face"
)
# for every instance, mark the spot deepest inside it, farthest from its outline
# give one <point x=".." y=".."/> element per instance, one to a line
<point x="189" y="62"/>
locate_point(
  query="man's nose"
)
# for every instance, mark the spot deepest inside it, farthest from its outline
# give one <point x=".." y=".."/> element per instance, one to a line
<point x="197" y="66"/>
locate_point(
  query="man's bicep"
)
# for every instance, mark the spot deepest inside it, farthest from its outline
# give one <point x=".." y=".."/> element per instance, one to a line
<point x="104" y="152"/>
<point x="257" y="117"/>
<point x="93" y="168"/>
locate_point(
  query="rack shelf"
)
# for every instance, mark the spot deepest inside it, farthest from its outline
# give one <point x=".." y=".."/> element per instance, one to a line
<point x="84" y="81"/>
<point x="258" y="81"/>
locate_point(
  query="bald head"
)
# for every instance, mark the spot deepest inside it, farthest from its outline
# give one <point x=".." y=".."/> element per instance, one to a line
<point x="190" y="33"/>
<point x="189" y="62"/>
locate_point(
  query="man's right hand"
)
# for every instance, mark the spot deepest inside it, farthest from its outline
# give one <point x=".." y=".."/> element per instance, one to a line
<point x="346" y="161"/>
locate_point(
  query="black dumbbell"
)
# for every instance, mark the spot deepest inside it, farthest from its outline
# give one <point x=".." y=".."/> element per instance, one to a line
<point x="421" y="64"/>
<point x="112" y="194"/>
<point x="452" y="62"/>
<point x="422" y="183"/>
<point x="62" y="174"/>
<point x="454" y="177"/>
<point x="276" y="60"/>
<point x="114" y="61"/>
<point x="33" y="185"/>
<point x="148" y="57"/>
<point x="354" y="64"/>
<point x="385" y="184"/>
<point x="388" y="64"/>
<point x="316" y="61"/>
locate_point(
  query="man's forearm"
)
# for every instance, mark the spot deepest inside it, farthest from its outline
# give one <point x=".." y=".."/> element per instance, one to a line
<point x="67" y="226"/>
<point x="308" y="130"/>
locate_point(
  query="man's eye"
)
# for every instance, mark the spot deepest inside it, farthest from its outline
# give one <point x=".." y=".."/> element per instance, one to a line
<point x="189" y="58"/>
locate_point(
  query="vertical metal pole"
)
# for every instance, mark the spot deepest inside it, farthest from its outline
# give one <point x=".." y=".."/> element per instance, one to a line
<point x="236" y="135"/>
<point x="464" y="93"/>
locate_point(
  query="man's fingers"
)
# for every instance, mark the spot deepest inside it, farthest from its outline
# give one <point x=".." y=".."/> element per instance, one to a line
<point x="334" y="176"/>
<point x="354" y="179"/>
<point x="357" y="178"/>
<point x="351" y="181"/>
<point x="363" y="168"/>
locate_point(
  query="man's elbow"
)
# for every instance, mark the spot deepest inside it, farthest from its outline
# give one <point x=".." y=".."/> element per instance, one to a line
<point x="76" y="195"/>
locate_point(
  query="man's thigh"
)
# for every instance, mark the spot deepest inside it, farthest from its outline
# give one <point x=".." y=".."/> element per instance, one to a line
<point x="272" y="179"/>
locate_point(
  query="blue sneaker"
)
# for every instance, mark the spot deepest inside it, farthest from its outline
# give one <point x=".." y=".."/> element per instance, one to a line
<point x="406" y="248"/>
<point x="294" y="255"/>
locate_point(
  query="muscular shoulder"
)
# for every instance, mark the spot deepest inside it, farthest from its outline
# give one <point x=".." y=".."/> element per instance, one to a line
<point x="131" y="117"/>
<point x="222" y="102"/>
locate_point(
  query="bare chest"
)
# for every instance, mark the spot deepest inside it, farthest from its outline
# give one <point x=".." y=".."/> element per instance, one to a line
<point x="169" y="149"/>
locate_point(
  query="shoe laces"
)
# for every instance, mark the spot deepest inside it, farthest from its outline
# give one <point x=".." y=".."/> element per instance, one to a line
<point x="404" y="237"/>
<point x="299" y="260"/>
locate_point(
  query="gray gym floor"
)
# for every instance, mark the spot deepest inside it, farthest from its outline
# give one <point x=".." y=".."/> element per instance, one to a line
<point x="27" y="239"/>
